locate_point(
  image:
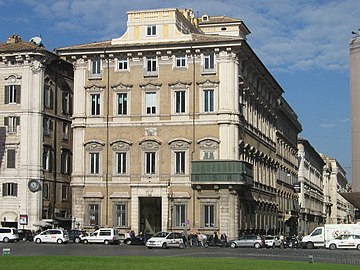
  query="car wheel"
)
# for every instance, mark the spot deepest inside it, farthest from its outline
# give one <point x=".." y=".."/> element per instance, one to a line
<point x="106" y="242"/>
<point x="257" y="245"/>
<point x="149" y="247"/>
<point x="233" y="245"/>
<point x="164" y="246"/>
<point x="332" y="246"/>
<point x="77" y="240"/>
<point x="206" y="245"/>
<point x="86" y="241"/>
<point x="38" y="241"/>
<point x="24" y="239"/>
<point x="59" y="241"/>
<point x="6" y="240"/>
<point x="358" y="247"/>
<point x="128" y="242"/>
<point x="181" y="245"/>
<point x="309" y="245"/>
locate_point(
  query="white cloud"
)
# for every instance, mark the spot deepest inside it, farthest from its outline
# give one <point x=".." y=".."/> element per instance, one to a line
<point x="287" y="35"/>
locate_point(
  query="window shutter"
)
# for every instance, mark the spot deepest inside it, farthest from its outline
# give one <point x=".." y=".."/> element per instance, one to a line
<point x="18" y="93"/>
<point x="11" y="158"/>
<point x="15" y="189"/>
<point x="6" y="101"/>
<point x="17" y="120"/>
<point x="6" y="121"/>
<point x="4" y="189"/>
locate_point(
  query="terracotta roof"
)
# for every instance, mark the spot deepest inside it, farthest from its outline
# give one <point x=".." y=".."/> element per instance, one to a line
<point x="21" y="46"/>
<point x="218" y="19"/>
<point x="196" y="38"/>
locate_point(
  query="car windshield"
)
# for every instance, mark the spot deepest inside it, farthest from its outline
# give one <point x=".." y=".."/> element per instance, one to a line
<point x="161" y="234"/>
<point x="269" y="237"/>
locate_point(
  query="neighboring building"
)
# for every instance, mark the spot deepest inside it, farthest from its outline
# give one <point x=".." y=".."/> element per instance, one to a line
<point x="175" y="126"/>
<point x="35" y="134"/>
<point x="340" y="210"/>
<point x="287" y="131"/>
<point x="354" y="196"/>
<point x="311" y="197"/>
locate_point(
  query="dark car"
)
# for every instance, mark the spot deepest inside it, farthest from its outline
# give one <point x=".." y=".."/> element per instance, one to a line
<point x="137" y="240"/>
<point x="74" y="235"/>
<point x="214" y="242"/>
<point x="26" y="235"/>
<point x="291" y="242"/>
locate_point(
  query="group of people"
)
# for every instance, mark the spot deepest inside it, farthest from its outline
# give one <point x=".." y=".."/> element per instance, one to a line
<point x="199" y="239"/>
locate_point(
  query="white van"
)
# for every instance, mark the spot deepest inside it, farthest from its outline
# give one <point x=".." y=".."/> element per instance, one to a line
<point x="52" y="236"/>
<point x="8" y="235"/>
<point x="104" y="236"/>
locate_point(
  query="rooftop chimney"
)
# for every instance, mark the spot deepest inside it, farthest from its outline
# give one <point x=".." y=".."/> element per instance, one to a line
<point x="14" y="39"/>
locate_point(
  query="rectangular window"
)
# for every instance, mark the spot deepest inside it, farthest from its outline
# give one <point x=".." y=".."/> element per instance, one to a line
<point x="180" y="61"/>
<point x="45" y="191"/>
<point x="209" y="100"/>
<point x="65" y="131"/>
<point x="11" y="158"/>
<point x="180" y="215"/>
<point x="95" y="68"/>
<point x="47" y="159"/>
<point x="95" y="104"/>
<point x="122" y="64"/>
<point x="12" y="94"/>
<point x="12" y="123"/>
<point x="65" y="162"/>
<point x="66" y="103"/>
<point x="151" y="30"/>
<point x="150" y="103"/>
<point x="64" y="192"/>
<point x="209" y="155"/>
<point x="94" y="163"/>
<point x="150" y="162"/>
<point x="122" y="103"/>
<point x="209" y="62"/>
<point x="47" y="125"/>
<point x="121" y="163"/>
<point x="180" y="101"/>
<point x="93" y="214"/>
<point x="209" y="216"/>
<point x="10" y="189"/>
<point x="151" y="65"/>
<point x="180" y="162"/>
<point x="120" y="215"/>
<point x="48" y="97"/>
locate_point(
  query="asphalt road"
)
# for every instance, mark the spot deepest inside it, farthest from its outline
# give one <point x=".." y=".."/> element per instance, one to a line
<point x="72" y="249"/>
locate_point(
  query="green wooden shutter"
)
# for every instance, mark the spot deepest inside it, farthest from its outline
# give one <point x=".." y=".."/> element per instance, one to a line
<point x="18" y="93"/>
<point x="6" y="100"/>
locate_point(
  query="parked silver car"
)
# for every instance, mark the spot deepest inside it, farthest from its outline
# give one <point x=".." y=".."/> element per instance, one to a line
<point x="251" y="240"/>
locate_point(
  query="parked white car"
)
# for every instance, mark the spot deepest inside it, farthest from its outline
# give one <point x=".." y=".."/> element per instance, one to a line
<point x="52" y="236"/>
<point x="102" y="236"/>
<point x="165" y="240"/>
<point x="8" y="235"/>
<point x="345" y="241"/>
<point x="272" y="241"/>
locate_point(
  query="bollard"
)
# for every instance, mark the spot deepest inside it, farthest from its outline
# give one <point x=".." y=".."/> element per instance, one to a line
<point x="311" y="259"/>
<point x="6" y="251"/>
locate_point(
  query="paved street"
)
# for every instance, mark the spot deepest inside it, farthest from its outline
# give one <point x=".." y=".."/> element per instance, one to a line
<point x="71" y="249"/>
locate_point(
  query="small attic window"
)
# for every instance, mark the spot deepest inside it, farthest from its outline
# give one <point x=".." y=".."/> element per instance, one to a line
<point x="205" y="18"/>
<point x="223" y="29"/>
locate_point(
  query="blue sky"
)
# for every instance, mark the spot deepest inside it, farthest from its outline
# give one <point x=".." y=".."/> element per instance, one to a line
<point x="304" y="44"/>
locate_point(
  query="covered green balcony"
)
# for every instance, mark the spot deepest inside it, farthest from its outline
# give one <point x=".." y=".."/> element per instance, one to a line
<point x="229" y="172"/>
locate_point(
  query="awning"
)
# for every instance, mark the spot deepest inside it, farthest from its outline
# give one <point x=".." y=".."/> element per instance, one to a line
<point x="353" y="198"/>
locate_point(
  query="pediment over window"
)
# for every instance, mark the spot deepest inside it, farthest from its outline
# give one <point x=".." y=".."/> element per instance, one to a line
<point x="180" y="143"/>
<point x="94" y="88"/>
<point x="179" y="84"/>
<point x="208" y="82"/>
<point x="150" y="86"/>
<point x="121" y="87"/>
<point x="208" y="142"/>
<point x="150" y="144"/>
<point x="13" y="79"/>
<point x="94" y="145"/>
<point x="121" y="145"/>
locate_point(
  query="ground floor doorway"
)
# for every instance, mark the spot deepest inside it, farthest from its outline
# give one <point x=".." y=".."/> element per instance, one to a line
<point x="150" y="214"/>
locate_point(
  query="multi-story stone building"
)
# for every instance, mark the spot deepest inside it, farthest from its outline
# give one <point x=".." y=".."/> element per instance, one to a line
<point x="287" y="130"/>
<point x="35" y="134"/>
<point x="174" y="126"/>
<point x="311" y="197"/>
<point x="336" y="183"/>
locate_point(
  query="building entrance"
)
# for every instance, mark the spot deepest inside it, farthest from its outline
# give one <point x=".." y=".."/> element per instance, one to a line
<point x="150" y="214"/>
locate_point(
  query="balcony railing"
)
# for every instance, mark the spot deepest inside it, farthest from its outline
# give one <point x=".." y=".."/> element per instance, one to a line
<point x="232" y="172"/>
